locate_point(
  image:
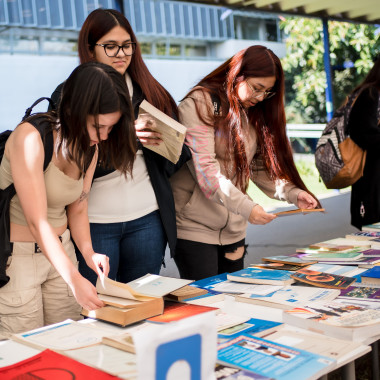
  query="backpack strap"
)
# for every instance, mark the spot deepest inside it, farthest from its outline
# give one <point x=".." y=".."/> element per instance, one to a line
<point x="29" y="110"/>
<point x="46" y="136"/>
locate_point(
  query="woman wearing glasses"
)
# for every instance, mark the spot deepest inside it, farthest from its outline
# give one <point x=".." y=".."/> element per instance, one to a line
<point x="132" y="217"/>
<point x="235" y="123"/>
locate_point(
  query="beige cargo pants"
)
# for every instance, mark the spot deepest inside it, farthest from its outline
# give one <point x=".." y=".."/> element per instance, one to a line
<point x="36" y="295"/>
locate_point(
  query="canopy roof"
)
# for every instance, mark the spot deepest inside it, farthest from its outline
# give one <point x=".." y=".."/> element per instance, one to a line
<point x="361" y="11"/>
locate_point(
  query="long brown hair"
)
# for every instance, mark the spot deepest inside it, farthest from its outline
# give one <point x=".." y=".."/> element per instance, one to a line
<point x="267" y="117"/>
<point x="94" y="88"/>
<point x="101" y="21"/>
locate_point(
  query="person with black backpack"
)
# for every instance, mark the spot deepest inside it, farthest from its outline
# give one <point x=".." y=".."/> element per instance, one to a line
<point x="94" y="121"/>
<point x="364" y="128"/>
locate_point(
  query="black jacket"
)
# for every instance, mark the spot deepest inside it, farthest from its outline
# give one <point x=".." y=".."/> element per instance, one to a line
<point x="159" y="170"/>
<point x="365" y="131"/>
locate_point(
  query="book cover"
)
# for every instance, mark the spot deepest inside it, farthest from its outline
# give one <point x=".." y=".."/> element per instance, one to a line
<point x="290" y="296"/>
<point x="210" y="282"/>
<point x="322" y="279"/>
<point x="318" y="344"/>
<point x="330" y="247"/>
<point x="254" y="327"/>
<point x="273" y="359"/>
<point x="299" y="211"/>
<point x="371" y="253"/>
<point x="279" y="266"/>
<point x="371" y="276"/>
<point x="172" y="132"/>
<point x="175" y="311"/>
<point x="52" y="365"/>
<point x="66" y="335"/>
<point x="339" y="320"/>
<point x="333" y="256"/>
<point x="286" y="260"/>
<point x="360" y="292"/>
<point x="261" y="276"/>
<point x="186" y="292"/>
<point x="206" y="299"/>
<point x="364" y="262"/>
<point x="225" y="372"/>
<point x="343" y="270"/>
<point x="321" y="251"/>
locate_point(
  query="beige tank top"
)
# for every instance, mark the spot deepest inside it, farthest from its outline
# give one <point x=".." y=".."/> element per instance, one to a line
<point x="61" y="190"/>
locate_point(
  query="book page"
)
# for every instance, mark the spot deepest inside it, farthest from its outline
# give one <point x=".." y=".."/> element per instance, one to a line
<point x="154" y="285"/>
<point x="172" y="132"/>
<point x="66" y="335"/>
<point x="118" y="289"/>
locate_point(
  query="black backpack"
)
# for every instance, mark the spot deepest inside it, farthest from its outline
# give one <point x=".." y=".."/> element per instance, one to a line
<point x="8" y="193"/>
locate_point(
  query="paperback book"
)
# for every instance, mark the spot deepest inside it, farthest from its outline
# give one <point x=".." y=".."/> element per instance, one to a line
<point x="343" y="321"/>
<point x="209" y="283"/>
<point x="52" y="365"/>
<point x="330" y="247"/>
<point x="290" y="296"/>
<point x="295" y="260"/>
<point x="226" y="372"/>
<point x="318" y="344"/>
<point x="315" y="251"/>
<point x="262" y="276"/>
<point x="254" y="327"/>
<point x="279" y="266"/>
<point x="333" y="256"/>
<point x="360" y="292"/>
<point x="371" y="276"/>
<point x="272" y="359"/>
<point x="322" y="279"/>
<point x="365" y="235"/>
<point x="175" y="311"/>
<point x="299" y="211"/>
<point x="372" y="227"/>
<point x="343" y="270"/>
<point x="172" y="132"/>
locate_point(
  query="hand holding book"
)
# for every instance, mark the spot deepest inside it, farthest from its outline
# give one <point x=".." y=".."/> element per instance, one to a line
<point x="146" y="130"/>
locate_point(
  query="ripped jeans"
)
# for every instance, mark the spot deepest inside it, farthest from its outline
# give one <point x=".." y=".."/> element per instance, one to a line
<point x="200" y="260"/>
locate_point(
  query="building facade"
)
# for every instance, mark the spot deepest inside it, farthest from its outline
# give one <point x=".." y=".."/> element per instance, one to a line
<point x="180" y="42"/>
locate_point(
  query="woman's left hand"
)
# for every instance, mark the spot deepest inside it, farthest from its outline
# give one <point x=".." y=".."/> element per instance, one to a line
<point x="305" y="200"/>
<point x="100" y="264"/>
<point x="145" y="130"/>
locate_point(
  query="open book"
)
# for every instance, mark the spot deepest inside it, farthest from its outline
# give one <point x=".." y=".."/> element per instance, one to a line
<point x="134" y="301"/>
<point x="172" y="132"/>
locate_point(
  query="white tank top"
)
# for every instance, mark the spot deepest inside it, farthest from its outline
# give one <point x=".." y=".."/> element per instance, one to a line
<point x="115" y="198"/>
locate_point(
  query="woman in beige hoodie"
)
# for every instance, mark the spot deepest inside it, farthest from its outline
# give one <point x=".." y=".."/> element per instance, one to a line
<point x="236" y="132"/>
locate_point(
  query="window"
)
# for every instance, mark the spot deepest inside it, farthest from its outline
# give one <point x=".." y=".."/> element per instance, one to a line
<point x="271" y="30"/>
<point x="146" y="48"/>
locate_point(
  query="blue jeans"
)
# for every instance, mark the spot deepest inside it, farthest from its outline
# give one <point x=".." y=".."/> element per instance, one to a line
<point x="135" y="248"/>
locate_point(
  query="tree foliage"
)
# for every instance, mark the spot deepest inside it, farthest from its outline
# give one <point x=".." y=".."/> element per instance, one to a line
<point x="353" y="48"/>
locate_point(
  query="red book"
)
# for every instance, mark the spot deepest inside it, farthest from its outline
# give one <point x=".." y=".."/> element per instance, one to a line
<point x="51" y="365"/>
<point x="175" y="311"/>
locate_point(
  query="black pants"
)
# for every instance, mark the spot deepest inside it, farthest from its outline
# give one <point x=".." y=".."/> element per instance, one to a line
<point x="200" y="260"/>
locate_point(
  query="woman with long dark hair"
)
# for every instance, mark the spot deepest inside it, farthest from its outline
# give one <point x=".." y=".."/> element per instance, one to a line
<point x="235" y="123"/>
<point x="94" y="121"/>
<point x="364" y="129"/>
<point x="132" y="217"/>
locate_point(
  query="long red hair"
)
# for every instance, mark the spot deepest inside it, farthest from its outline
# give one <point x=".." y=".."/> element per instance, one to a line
<point x="267" y="117"/>
<point x="101" y="21"/>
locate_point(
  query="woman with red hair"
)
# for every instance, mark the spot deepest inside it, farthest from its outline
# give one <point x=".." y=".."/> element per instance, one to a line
<point x="236" y="131"/>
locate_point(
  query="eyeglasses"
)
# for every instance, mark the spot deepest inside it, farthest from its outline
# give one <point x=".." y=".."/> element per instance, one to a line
<point x="112" y="50"/>
<point x="257" y="93"/>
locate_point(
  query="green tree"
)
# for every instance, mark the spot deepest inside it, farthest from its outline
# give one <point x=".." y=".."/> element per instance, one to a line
<point x="352" y="50"/>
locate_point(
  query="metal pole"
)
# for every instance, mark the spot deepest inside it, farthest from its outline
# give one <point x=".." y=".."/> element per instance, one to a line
<point x="327" y="63"/>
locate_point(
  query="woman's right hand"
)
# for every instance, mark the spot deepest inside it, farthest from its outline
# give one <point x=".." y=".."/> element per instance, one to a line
<point x="85" y="293"/>
<point x="260" y="216"/>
